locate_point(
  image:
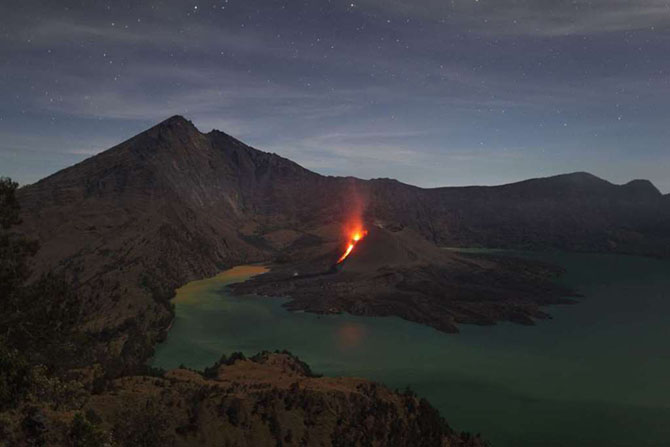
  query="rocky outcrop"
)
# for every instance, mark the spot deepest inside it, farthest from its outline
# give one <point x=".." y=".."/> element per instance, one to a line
<point x="271" y="399"/>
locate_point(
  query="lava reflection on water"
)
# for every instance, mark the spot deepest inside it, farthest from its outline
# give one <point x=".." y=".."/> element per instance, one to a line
<point x="350" y="335"/>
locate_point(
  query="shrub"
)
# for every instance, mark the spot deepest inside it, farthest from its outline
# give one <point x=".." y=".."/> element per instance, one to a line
<point x="143" y="425"/>
<point x="85" y="433"/>
<point x="15" y="377"/>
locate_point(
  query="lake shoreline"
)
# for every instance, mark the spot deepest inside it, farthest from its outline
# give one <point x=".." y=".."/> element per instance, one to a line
<point x="580" y="378"/>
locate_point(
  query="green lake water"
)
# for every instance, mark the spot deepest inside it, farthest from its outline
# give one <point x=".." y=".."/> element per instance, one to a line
<point x="597" y="374"/>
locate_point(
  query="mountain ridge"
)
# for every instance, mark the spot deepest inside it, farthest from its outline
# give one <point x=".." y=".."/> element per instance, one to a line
<point x="179" y="122"/>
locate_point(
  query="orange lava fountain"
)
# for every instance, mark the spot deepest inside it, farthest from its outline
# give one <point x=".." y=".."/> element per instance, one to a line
<point x="355" y="237"/>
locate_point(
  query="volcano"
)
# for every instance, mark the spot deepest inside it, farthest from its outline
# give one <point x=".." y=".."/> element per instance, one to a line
<point x="173" y="204"/>
<point x="398" y="272"/>
<point x="383" y="248"/>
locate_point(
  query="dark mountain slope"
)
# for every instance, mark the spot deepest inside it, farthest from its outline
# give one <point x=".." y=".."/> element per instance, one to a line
<point x="573" y="212"/>
<point x="172" y="204"/>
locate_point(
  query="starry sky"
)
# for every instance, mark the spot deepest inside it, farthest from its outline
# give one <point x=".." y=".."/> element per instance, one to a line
<point x="431" y="92"/>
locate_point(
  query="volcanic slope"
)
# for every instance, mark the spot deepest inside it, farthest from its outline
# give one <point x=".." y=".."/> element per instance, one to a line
<point x="398" y="272"/>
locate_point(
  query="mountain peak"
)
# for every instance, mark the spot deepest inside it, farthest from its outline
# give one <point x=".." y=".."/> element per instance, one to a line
<point x="174" y="128"/>
<point x="580" y="177"/>
<point x="176" y="121"/>
<point x="642" y="186"/>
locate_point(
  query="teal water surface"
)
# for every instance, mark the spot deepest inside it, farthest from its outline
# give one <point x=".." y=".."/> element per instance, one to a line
<point x="597" y="374"/>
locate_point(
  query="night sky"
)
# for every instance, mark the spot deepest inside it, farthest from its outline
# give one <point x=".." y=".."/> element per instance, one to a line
<point x="430" y="92"/>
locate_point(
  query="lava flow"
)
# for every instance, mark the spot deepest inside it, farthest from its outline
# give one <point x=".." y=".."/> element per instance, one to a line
<point x="357" y="236"/>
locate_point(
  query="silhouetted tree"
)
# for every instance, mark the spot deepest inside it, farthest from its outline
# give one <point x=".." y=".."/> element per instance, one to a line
<point x="39" y="320"/>
<point x="15" y="250"/>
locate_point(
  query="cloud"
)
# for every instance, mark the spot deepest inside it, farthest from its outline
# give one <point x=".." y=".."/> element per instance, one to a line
<point x="534" y="17"/>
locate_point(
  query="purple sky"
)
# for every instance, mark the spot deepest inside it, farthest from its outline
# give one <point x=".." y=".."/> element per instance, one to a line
<point x="430" y="92"/>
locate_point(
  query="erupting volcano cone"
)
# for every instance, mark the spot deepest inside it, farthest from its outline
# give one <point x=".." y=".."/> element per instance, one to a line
<point x="384" y="248"/>
<point x="355" y="238"/>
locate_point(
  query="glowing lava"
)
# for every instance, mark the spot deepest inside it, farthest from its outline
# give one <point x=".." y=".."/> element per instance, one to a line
<point x="357" y="236"/>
